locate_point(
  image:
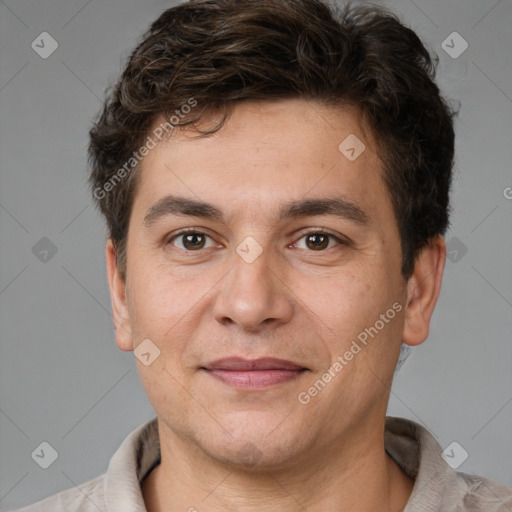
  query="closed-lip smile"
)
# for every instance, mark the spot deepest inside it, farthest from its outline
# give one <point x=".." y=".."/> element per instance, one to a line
<point x="253" y="373"/>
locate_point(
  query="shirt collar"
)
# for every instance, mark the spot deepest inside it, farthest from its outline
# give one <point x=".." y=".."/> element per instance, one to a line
<point x="136" y="457"/>
<point x="419" y="455"/>
<point x="409" y="444"/>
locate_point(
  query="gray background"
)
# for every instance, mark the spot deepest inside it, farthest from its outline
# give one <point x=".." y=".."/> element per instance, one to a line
<point x="62" y="378"/>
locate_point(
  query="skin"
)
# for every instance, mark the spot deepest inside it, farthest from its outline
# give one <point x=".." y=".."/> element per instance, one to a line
<point x="294" y="301"/>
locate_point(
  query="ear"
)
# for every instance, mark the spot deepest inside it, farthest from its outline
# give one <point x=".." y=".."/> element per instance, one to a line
<point x="423" y="290"/>
<point x="117" y="285"/>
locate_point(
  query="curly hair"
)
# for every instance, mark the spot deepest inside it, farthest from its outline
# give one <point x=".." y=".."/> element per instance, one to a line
<point x="217" y="53"/>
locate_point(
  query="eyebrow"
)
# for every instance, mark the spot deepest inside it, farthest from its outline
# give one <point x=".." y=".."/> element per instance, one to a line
<point x="183" y="206"/>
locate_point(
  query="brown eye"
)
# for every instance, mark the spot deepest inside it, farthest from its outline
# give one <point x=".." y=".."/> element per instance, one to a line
<point x="317" y="241"/>
<point x="191" y="241"/>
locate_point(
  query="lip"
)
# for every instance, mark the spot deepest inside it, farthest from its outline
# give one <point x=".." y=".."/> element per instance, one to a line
<point x="245" y="365"/>
<point x="253" y="373"/>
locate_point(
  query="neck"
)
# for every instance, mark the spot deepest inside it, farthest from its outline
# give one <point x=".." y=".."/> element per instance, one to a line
<point x="359" y="475"/>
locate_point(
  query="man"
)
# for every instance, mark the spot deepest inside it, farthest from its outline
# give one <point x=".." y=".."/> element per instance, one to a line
<point x="275" y="179"/>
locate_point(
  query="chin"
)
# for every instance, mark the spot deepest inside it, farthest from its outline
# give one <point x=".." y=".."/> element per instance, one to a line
<point x="255" y="444"/>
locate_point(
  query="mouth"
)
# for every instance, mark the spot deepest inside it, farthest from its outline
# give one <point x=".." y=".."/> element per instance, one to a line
<point x="253" y="374"/>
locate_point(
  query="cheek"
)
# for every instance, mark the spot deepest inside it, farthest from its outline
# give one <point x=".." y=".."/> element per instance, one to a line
<point x="347" y="307"/>
<point x="341" y="301"/>
<point x="155" y="305"/>
<point x="169" y="309"/>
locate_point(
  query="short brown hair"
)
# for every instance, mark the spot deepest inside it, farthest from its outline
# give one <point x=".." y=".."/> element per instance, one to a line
<point x="222" y="52"/>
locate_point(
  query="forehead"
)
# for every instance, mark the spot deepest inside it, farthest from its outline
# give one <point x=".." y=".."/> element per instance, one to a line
<point x="265" y="155"/>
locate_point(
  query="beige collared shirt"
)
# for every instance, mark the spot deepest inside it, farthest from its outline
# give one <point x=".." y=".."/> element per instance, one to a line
<point x="437" y="488"/>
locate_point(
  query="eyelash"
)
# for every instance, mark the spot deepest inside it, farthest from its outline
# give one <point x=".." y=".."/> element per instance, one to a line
<point x="318" y="231"/>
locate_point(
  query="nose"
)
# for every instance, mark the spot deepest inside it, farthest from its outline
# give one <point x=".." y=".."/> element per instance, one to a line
<point x="253" y="295"/>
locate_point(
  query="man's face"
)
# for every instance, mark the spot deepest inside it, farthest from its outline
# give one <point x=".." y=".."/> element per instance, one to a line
<point x="213" y="304"/>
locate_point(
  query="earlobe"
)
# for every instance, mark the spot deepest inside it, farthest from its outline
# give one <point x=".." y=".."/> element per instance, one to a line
<point x="423" y="290"/>
<point x="117" y="285"/>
